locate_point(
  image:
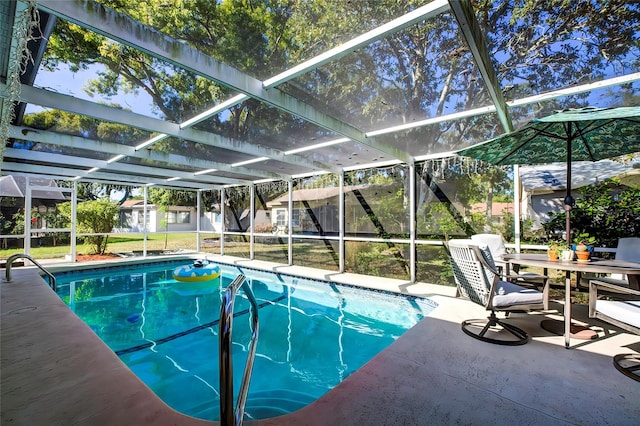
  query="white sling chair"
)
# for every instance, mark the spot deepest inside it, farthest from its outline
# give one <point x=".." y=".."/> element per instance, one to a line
<point x="628" y="250"/>
<point x="498" y="249"/>
<point x="478" y="280"/>
<point x="622" y="309"/>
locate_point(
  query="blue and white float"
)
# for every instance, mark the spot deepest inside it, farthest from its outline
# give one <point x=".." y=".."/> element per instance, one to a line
<point x="197" y="279"/>
<point x="198" y="272"/>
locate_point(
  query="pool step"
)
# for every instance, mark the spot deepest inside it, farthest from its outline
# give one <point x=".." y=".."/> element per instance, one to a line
<point x="260" y="405"/>
<point x="266" y="404"/>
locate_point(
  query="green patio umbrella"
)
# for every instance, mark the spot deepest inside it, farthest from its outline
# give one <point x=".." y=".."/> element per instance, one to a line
<point x="586" y="134"/>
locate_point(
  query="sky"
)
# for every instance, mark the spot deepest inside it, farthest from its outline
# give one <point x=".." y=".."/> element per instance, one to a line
<point x="68" y="83"/>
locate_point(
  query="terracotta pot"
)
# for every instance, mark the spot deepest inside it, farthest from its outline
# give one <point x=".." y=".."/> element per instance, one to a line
<point x="553" y="254"/>
<point x="582" y="255"/>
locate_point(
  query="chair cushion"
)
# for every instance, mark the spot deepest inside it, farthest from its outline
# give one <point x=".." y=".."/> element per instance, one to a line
<point x="621" y="283"/>
<point x="509" y="294"/>
<point x="494" y="242"/>
<point x="531" y="277"/>
<point x="628" y="311"/>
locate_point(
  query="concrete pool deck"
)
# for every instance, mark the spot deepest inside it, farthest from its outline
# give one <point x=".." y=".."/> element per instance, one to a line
<point x="55" y="371"/>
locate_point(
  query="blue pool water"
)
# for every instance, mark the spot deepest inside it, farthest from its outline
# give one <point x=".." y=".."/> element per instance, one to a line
<point x="312" y="336"/>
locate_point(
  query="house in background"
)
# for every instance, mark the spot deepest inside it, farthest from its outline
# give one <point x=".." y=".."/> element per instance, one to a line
<point x="499" y="211"/>
<point x="177" y="218"/>
<point x="544" y="186"/>
<point x="313" y="208"/>
<point x="316" y="210"/>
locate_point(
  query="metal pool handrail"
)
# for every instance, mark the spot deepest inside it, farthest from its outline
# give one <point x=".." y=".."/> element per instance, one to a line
<point x="10" y="259"/>
<point x="227" y="415"/>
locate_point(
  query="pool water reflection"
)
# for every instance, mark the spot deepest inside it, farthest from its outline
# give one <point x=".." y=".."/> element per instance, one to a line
<point x="313" y="334"/>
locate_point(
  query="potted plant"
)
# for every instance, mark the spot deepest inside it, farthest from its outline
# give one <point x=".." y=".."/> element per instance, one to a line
<point x="552" y="251"/>
<point x="584" y="247"/>
<point x="556" y="248"/>
<point x="566" y="253"/>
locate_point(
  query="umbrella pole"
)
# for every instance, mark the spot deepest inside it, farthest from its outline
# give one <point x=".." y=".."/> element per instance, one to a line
<point x="568" y="200"/>
<point x="568" y="205"/>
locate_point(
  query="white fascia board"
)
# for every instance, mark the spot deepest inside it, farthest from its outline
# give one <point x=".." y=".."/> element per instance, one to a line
<point x="52" y="138"/>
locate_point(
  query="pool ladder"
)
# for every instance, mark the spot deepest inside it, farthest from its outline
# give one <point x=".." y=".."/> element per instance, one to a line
<point x="227" y="414"/>
<point x="10" y="259"/>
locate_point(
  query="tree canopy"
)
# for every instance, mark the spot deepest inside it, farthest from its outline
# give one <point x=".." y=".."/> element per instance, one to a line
<point x="424" y="71"/>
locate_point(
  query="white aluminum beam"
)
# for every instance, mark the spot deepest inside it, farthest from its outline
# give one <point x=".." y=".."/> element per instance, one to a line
<point x="472" y="33"/>
<point x="489" y="109"/>
<point x="616" y="81"/>
<point x="68" y="103"/>
<point x="420" y="14"/>
<point x="102" y="20"/>
<point x="59" y="172"/>
<point x="52" y="138"/>
<point x="60" y="160"/>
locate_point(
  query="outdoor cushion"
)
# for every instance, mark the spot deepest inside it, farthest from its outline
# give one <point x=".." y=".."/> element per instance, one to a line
<point x="509" y="294"/>
<point x="628" y="249"/>
<point x="494" y="242"/>
<point x="621" y="283"/>
<point x="627" y="311"/>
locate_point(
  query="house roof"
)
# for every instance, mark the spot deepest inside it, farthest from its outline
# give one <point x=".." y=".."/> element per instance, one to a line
<point x="553" y="177"/>
<point x="497" y="209"/>
<point x="314" y="194"/>
<point x="132" y="203"/>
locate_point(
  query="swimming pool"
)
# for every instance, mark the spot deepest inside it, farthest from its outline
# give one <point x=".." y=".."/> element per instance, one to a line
<point x="313" y="334"/>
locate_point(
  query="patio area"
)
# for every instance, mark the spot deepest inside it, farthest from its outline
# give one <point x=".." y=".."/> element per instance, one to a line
<point x="56" y="371"/>
<point x="329" y="134"/>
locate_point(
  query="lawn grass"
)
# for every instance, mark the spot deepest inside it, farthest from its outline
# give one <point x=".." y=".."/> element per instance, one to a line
<point x="311" y="253"/>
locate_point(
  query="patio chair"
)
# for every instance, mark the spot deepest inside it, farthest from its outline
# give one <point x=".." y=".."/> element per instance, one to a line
<point x="623" y="312"/>
<point x="496" y="246"/>
<point x="498" y="249"/>
<point x="478" y="280"/>
<point x="628" y="250"/>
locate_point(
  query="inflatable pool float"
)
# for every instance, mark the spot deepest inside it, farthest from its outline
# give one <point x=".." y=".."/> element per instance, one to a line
<point x="198" y="272"/>
<point x="198" y="288"/>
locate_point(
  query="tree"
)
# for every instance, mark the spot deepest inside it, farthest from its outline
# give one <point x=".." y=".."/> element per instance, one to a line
<point x="606" y="212"/>
<point x="423" y="71"/>
<point x="420" y="72"/>
<point x="82" y="126"/>
<point x="94" y="217"/>
<point x="163" y="198"/>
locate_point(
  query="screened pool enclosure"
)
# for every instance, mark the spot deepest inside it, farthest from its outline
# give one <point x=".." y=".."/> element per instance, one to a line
<point x="318" y="133"/>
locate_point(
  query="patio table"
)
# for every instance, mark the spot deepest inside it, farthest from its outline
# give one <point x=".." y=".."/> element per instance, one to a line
<point x="631" y="269"/>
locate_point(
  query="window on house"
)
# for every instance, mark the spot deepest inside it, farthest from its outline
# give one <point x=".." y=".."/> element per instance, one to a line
<point x="179" y="217"/>
<point x="126" y="219"/>
<point x="141" y="220"/>
<point x="281" y="217"/>
<point x="295" y="218"/>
